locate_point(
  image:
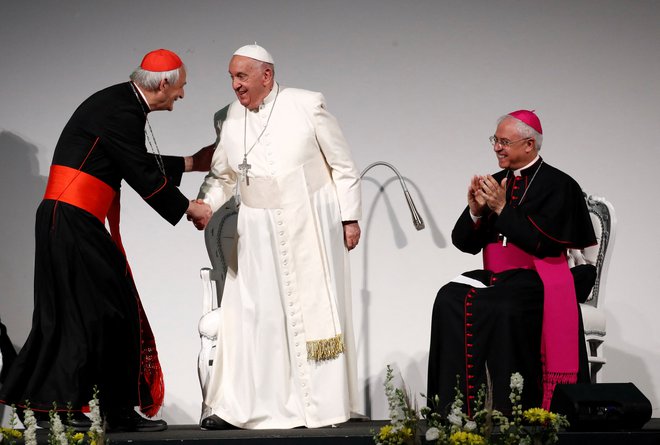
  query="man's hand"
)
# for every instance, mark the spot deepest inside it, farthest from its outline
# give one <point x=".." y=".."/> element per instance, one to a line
<point x="200" y="161"/>
<point x="199" y="213"/>
<point x="493" y="193"/>
<point x="351" y="234"/>
<point x="476" y="202"/>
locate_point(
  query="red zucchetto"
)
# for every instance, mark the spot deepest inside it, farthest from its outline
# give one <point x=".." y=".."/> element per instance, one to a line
<point x="161" y="60"/>
<point x="528" y="117"/>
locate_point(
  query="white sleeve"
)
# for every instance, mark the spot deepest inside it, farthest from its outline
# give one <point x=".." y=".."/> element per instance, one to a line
<point x="337" y="154"/>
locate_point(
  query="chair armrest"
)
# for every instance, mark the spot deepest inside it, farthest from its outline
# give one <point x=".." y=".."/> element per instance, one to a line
<point x="208" y="293"/>
<point x="594" y="320"/>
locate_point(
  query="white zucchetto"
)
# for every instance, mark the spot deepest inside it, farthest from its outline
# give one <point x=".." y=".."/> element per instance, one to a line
<point x="255" y="52"/>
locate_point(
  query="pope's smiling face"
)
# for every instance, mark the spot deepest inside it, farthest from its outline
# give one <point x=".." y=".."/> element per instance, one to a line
<point x="251" y="80"/>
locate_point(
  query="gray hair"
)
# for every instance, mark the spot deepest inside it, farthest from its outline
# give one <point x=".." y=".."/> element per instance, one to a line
<point x="524" y="130"/>
<point x="263" y="66"/>
<point x="149" y="80"/>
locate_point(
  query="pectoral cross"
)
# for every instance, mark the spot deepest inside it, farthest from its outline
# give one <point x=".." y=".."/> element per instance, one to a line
<point x="244" y="167"/>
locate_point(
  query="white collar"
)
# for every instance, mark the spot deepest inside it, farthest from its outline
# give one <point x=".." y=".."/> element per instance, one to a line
<point x="269" y="98"/>
<point x="518" y="171"/>
<point x="137" y="87"/>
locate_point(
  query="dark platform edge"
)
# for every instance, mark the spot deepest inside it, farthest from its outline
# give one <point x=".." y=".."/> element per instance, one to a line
<point x="351" y="433"/>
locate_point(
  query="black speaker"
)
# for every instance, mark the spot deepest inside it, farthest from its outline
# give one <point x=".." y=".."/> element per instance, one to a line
<point x="601" y="406"/>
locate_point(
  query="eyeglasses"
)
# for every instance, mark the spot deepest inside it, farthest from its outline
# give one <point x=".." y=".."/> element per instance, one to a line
<point x="503" y="142"/>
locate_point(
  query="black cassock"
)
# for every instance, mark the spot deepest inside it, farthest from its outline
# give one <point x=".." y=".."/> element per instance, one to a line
<point x="86" y="326"/>
<point x="544" y="216"/>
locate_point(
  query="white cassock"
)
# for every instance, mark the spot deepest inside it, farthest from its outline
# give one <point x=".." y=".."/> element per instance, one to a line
<point x="287" y="297"/>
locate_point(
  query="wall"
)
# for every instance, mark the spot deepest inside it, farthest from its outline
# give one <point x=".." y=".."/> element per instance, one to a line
<point x="415" y="83"/>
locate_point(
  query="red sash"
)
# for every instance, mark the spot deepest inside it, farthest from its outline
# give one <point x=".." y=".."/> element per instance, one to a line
<point x="79" y="189"/>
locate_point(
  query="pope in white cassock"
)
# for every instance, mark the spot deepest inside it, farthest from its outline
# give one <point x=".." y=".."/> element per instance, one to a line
<point x="285" y="354"/>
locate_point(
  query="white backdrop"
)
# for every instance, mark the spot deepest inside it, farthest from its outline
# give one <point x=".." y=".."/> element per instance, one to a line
<point x="415" y="83"/>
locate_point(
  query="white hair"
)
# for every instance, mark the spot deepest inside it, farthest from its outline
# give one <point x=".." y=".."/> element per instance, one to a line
<point x="149" y="80"/>
<point x="524" y="130"/>
<point x="266" y="65"/>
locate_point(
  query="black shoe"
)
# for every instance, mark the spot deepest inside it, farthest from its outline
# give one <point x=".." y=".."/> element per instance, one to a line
<point x="216" y="423"/>
<point x="76" y="421"/>
<point x="42" y="418"/>
<point x="130" y="421"/>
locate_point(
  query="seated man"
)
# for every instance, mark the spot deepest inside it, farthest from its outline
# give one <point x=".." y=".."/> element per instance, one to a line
<point x="520" y="313"/>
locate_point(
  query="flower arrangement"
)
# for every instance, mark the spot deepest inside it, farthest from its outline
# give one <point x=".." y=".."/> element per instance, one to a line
<point x="59" y="434"/>
<point x="9" y="435"/>
<point x="404" y="417"/>
<point x="534" y="426"/>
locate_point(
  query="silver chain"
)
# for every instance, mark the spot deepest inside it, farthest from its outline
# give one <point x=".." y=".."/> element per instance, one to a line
<point x="152" y="145"/>
<point x="245" y="150"/>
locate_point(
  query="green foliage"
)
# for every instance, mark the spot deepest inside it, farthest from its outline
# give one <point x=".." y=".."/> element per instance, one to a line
<point x="534" y="426"/>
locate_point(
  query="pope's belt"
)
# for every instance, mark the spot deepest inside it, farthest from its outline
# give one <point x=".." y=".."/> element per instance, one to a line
<point x="79" y="189"/>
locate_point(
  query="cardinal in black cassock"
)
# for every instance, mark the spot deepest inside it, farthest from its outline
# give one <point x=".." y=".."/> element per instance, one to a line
<point x="89" y="328"/>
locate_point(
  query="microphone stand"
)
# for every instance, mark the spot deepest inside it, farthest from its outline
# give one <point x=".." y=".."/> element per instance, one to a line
<point x="416" y="217"/>
<point x="366" y="296"/>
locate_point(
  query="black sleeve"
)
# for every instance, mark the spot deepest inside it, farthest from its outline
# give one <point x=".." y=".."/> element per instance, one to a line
<point x="468" y="236"/>
<point x="124" y="137"/>
<point x="174" y="167"/>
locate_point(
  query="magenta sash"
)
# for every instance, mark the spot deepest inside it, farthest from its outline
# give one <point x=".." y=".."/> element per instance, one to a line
<point x="559" y="342"/>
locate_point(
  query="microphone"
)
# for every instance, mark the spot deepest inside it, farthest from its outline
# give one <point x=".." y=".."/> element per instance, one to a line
<point x="417" y="219"/>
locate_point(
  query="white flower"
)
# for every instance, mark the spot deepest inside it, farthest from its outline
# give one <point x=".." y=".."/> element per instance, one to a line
<point x="56" y="426"/>
<point x="470" y="425"/>
<point x="455" y="419"/>
<point x="95" y="416"/>
<point x="29" y="419"/>
<point x="30" y="423"/>
<point x="57" y="429"/>
<point x="517" y="382"/>
<point x="432" y="434"/>
<point x="397" y="415"/>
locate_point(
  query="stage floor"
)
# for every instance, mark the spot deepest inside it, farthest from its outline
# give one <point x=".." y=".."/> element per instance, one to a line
<point x="352" y="433"/>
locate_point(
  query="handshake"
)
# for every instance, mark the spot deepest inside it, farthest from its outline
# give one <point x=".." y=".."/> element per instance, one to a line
<point x="199" y="213"/>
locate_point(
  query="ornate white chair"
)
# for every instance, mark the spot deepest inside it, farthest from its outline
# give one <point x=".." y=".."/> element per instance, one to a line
<point x="593" y="313"/>
<point x="220" y="237"/>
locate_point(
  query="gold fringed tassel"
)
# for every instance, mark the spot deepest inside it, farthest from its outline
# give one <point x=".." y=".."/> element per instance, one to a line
<point x="326" y="349"/>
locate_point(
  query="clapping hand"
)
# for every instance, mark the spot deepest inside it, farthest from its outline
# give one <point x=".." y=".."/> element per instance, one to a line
<point x="476" y="200"/>
<point x="492" y="193"/>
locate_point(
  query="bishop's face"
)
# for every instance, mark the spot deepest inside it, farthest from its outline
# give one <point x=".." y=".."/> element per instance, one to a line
<point x="520" y="152"/>
<point x="250" y="80"/>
